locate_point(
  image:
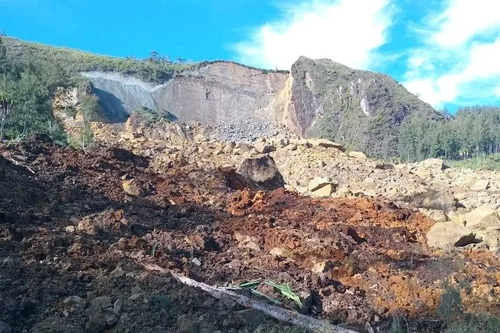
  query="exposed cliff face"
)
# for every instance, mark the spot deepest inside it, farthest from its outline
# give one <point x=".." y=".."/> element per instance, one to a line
<point x="361" y="109"/>
<point x="212" y="94"/>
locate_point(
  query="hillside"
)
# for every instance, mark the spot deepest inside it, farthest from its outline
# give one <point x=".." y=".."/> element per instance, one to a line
<point x="362" y="110"/>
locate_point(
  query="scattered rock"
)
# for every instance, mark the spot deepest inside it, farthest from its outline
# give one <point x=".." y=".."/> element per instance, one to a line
<point x="318" y="183"/>
<point x="447" y="234"/>
<point x="482" y="217"/>
<point x="100" y="303"/>
<point x="187" y="325"/>
<point x="73" y="300"/>
<point x="434" y="214"/>
<point x="261" y="173"/>
<point x="436" y="164"/>
<point x="324" y="191"/>
<point x="56" y="324"/>
<point x="480" y="185"/>
<point x="326" y="144"/>
<point x="250" y="318"/>
<point x="131" y="188"/>
<point x="4" y="327"/>
<point x="358" y="154"/>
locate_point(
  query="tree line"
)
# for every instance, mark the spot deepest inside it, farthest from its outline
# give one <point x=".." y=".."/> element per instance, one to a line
<point x="470" y="132"/>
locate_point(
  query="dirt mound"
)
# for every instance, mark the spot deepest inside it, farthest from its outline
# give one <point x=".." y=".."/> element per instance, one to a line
<point x="76" y="226"/>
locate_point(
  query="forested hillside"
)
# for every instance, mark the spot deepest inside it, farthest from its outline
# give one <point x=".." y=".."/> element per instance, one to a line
<point x="471" y="132"/>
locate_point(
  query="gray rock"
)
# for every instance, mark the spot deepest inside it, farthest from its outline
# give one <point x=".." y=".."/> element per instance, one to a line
<point x="449" y="234"/>
<point x="260" y="173"/>
<point x="56" y="325"/>
<point x="483" y="217"/>
<point x="101" y="303"/>
<point x="4" y="327"/>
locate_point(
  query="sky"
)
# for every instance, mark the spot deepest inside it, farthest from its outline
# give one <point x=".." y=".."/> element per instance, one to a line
<point x="447" y="52"/>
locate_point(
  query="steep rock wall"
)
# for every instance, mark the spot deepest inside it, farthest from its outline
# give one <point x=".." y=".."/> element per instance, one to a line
<point x="212" y="94"/>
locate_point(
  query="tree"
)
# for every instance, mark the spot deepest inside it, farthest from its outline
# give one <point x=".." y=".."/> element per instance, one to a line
<point x="90" y="109"/>
<point x="6" y="103"/>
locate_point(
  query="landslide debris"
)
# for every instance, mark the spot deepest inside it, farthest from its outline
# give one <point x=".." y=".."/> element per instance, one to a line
<point x="75" y="227"/>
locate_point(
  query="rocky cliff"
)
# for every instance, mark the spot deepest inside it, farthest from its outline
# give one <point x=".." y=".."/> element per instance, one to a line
<point x="361" y="109"/>
<point x="215" y="93"/>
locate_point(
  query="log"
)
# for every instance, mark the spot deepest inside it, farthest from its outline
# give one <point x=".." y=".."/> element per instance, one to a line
<point x="285" y="315"/>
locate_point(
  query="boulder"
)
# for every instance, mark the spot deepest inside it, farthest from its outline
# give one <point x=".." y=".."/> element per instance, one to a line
<point x="324" y="191"/>
<point x="436" y="164"/>
<point x="432" y="199"/>
<point x="358" y="154"/>
<point x="4" y="327"/>
<point x="325" y="143"/>
<point x="434" y="214"/>
<point x="264" y="147"/>
<point x="423" y="173"/>
<point x="482" y="217"/>
<point x="131" y="188"/>
<point x="480" y="185"/>
<point x="260" y="173"/>
<point x="318" y="182"/>
<point x="449" y="234"/>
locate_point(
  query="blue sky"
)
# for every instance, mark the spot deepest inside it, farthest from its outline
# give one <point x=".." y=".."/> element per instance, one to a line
<point x="445" y="51"/>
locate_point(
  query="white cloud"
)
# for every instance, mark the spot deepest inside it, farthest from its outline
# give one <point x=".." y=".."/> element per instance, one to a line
<point x="464" y="19"/>
<point x="457" y="55"/>
<point x="346" y="31"/>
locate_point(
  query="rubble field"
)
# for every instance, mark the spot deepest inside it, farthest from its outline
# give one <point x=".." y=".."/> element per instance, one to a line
<point x="76" y="228"/>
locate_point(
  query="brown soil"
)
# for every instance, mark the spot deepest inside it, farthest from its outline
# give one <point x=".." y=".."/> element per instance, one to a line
<point x="68" y="228"/>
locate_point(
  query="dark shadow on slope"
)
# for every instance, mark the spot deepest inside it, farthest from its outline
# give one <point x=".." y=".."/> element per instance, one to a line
<point x="112" y="106"/>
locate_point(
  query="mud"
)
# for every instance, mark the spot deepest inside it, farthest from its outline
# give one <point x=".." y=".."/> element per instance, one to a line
<point x="69" y="227"/>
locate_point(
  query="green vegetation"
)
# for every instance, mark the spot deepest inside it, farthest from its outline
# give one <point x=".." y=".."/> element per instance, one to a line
<point x="26" y="88"/>
<point x="451" y="312"/>
<point x="155" y="68"/>
<point x="472" y="136"/>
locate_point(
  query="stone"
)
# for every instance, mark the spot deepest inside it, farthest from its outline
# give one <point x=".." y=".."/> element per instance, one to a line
<point x="118" y="272"/>
<point x="369" y="180"/>
<point x="70" y="229"/>
<point x="482" y="217"/>
<point x="325" y="143"/>
<point x="73" y="300"/>
<point x="264" y="147"/>
<point x="260" y="173"/>
<point x="4" y="327"/>
<point x="250" y="318"/>
<point x="449" y="234"/>
<point x="243" y="147"/>
<point x="491" y="237"/>
<point x="318" y="183"/>
<point x="187" y="325"/>
<point x="324" y="191"/>
<point x="100" y="303"/>
<point x="131" y="188"/>
<point x="433" y="163"/>
<point x="358" y="154"/>
<point x="434" y="214"/>
<point x="55" y="324"/>
<point x="117" y="307"/>
<point x="281" y="252"/>
<point x="423" y="173"/>
<point x="480" y="185"/>
<point x="96" y="323"/>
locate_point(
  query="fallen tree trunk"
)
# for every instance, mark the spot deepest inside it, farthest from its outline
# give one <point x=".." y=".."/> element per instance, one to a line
<point x="276" y="312"/>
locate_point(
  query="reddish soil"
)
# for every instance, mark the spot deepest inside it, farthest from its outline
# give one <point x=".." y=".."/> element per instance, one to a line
<point x="67" y="228"/>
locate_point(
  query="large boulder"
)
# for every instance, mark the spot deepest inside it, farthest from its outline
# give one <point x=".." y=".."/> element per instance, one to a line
<point x="449" y="234"/>
<point x="432" y="199"/>
<point x="483" y="217"/>
<point x="260" y="173"/>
